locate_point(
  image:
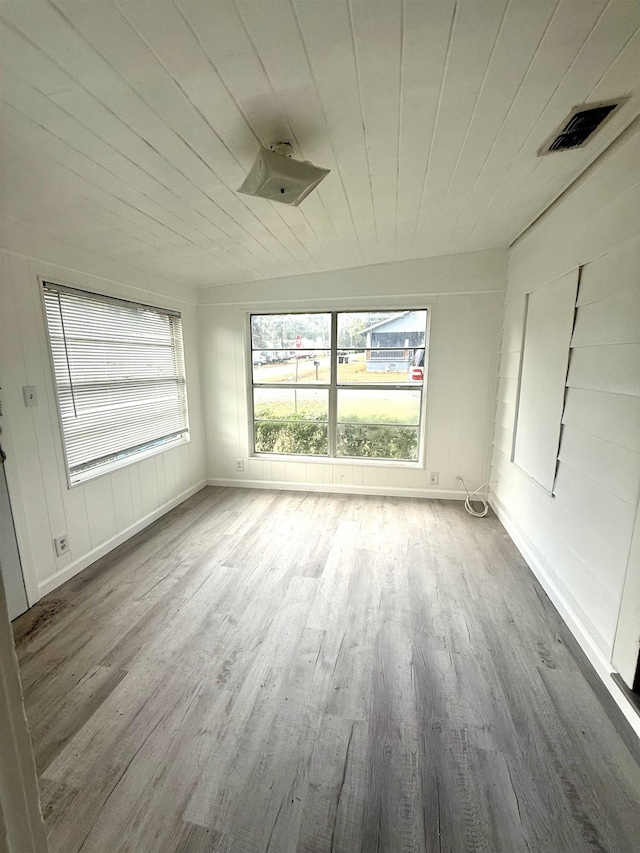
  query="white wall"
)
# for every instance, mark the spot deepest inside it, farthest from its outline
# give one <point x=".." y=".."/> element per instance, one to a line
<point x="103" y="512"/>
<point x="464" y="294"/>
<point x="578" y="542"/>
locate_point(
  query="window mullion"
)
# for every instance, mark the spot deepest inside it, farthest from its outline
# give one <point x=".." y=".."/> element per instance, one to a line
<point x="333" y="388"/>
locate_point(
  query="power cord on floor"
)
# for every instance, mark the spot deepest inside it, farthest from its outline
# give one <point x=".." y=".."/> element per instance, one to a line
<point x="472" y="497"/>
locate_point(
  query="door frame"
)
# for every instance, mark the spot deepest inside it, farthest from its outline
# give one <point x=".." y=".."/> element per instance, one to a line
<point x="20" y="814"/>
<point x="626" y="645"/>
<point x="17" y="501"/>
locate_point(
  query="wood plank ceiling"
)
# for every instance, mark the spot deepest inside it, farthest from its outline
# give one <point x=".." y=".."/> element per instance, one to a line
<point x="127" y="126"/>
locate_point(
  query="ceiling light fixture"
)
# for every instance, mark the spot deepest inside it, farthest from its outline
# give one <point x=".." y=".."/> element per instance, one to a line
<point x="277" y="176"/>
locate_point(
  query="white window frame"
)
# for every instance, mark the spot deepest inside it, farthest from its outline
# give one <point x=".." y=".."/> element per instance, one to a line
<point x="333" y="386"/>
<point x="107" y="467"/>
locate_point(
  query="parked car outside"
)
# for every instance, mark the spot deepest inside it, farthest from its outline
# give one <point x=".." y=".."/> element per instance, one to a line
<point x="416" y="370"/>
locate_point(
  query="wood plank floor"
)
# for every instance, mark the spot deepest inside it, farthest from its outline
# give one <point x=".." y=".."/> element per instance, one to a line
<point x="283" y="671"/>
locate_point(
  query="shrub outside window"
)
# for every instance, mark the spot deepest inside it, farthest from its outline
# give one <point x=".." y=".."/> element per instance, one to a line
<point x="339" y="384"/>
<point x="119" y="376"/>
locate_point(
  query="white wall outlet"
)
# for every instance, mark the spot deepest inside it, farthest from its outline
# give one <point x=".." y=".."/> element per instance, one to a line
<point x="239" y="464"/>
<point x="61" y="545"/>
<point x="434" y="477"/>
<point x="30" y="395"/>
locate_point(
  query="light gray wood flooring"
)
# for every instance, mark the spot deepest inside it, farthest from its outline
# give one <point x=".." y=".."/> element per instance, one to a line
<point x="283" y="671"/>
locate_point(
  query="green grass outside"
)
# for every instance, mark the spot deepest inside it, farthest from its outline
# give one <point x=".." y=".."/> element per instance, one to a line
<point x="307" y="410"/>
<point x="365" y="411"/>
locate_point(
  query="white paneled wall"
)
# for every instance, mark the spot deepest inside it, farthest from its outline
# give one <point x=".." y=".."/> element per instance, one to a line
<point x="464" y="294"/>
<point x="102" y="512"/>
<point x="578" y="541"/>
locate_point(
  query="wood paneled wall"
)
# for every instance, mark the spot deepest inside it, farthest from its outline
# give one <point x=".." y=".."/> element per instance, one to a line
<point x="464" y="294"/>
<point x="99" y="514"/>
<point x="579" y="540"/>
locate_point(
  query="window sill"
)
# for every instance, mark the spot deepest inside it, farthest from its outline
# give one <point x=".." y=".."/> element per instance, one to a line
<point x="325" y="460"/>
<point x="116" y="465"/>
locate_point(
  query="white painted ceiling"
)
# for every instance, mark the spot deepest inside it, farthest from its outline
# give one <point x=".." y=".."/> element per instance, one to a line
<point x="128" y="126"/>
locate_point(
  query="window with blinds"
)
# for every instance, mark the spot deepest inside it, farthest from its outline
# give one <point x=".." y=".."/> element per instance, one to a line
<point x="120" y="379"/>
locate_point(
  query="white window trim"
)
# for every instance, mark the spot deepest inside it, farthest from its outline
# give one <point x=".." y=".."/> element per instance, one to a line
<point x="106" y="468"/>
<point x="109" y="467"/>
<point x="419" y="464"/>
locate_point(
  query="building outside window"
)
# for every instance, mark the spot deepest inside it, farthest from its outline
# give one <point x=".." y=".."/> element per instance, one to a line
<point x="339" y="384"/>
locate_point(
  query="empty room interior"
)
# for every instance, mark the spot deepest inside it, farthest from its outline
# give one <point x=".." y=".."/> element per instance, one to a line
<point x="320" y="424"/>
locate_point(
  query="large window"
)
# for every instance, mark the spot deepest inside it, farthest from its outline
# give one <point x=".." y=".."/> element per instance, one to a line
<point x="340" y="384"/>
<point x="120" y="380"/>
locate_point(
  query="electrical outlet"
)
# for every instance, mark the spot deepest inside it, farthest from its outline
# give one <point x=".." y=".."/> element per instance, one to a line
<point x="434" y="476"/>
<point x="239" y="464"/>
<point x="61" y="545"/>
<point x="30" y="395"/>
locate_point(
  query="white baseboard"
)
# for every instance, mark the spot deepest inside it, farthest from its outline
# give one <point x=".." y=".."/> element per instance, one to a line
<point x="341" y="489"/>
<point x="543" y="573"/>
<point x="58" y="578"/>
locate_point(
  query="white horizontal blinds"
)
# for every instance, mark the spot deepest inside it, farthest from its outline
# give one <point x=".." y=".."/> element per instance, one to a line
<point x="119" y="369"/>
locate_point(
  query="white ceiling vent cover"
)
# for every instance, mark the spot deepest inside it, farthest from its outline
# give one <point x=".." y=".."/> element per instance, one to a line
<point x="278" y="177"/>
<point x="580" y="125"/>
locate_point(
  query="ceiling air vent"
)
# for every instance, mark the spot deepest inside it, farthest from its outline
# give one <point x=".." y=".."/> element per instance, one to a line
<point x="580" y="125"/>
